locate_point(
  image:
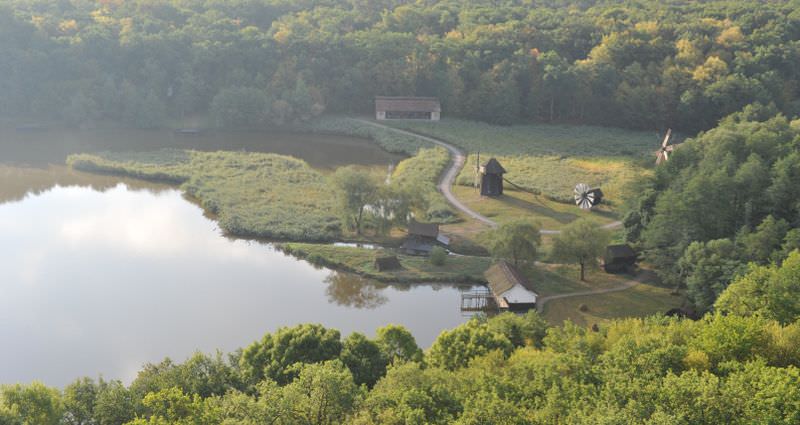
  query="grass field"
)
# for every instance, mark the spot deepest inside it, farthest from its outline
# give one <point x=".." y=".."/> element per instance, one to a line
<point x="387" y="139"/>
<point x="549" y="159"/>
<point x="420" y="174"/>
<point x="639" y="301"/>
<point x="252" y="194"/>
<point x="457" y="269"/>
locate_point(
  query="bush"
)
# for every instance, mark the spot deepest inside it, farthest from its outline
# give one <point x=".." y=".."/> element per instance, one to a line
<point x="438" y="256"/>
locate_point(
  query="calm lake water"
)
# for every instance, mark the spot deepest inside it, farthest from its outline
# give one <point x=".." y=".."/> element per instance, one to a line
<point x="99" y="275"/>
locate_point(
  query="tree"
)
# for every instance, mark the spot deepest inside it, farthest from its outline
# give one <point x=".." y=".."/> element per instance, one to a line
<point x="454" y="348"/>
<point x="365" y="359"/>
<point x="278" y="356"/>
<point x="79" y="400"/>
<point x="239" y="107"/>
<point x="438" y="256"/>
<point x="322" y="394"/>
<point x="769" y="291"/>
<point x="580" y="242"/>
<point x="30" y="404"/>
<point x="518" y="240"/>
<point x="708" y="268"/>
<point x="357" y="189"/>
<point x="398" y="344"/>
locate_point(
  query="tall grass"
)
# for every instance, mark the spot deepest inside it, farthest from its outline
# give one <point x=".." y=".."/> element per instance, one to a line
<point x="549" y="159"/>
<point x="420" y="174"/>
<point x="253" y="194"/>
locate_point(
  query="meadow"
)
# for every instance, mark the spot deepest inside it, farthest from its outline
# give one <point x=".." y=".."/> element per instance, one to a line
<point x="549" y="160"/>
<point x="255" y="195"/>
<point x="456" y="269"/>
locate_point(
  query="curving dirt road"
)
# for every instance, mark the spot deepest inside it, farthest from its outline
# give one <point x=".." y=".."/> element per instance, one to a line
<point x="457" y="160"/>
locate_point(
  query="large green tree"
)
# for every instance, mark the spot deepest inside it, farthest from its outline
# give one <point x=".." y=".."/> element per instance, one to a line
<point x="580" y="242"/>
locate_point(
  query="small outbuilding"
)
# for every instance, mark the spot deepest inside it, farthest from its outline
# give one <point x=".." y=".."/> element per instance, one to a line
<point x="387" y="262"/>
<point x="510" y="289"/>
<point x="422" y="237"/>
<point x="407" y="108"/>
<point x="492" y="178"/>
<point x="619" y="258"/>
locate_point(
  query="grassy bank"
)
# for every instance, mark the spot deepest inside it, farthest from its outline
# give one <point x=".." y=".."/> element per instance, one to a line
<point x="420" y="173"/>
<point x="456" y="269"/>
<point x="252" y="194"/>
<point x="549" y="159"/>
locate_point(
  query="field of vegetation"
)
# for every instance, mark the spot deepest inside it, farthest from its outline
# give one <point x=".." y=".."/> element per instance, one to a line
<point x="456" y="269"/>
<point x="549" y="159"/>
<point x="251" y="194"/>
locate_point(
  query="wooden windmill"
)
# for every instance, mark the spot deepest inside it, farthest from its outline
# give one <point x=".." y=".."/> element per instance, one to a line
<point x="666" y="148"/>
<point x="586" y="197"/>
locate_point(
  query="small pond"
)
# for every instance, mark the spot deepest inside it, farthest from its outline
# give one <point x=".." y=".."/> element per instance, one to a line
<point x="99" y="274"/>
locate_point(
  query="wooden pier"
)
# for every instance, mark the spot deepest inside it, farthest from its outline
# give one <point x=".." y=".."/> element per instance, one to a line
<point x="478" y="300"/>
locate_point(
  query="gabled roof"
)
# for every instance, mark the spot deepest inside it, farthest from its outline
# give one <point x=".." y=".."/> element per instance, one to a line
<point x="493" y="166"/>
<point x="620" y="251"/>
<point x="407" y="104"/>
<point x="505" y="279"/>
<point x="428" y="230"/>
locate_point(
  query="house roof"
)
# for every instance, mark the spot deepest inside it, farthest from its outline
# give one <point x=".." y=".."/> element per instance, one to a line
<point x="492" y="166"/>
<point x="429" y="230"/>
<point x="506" y="282"/>
<point x="620" y="251"/>
<point x="407" y="104"/>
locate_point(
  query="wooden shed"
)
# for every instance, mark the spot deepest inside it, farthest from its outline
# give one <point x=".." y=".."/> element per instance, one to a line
<point x="619" y="258"/>
<point x="407" y="108"/>
<point x="492" y="178"/>
<point x="422" y="237"/>
<point x="387" y="262"/>
<point x="510" y="289"/>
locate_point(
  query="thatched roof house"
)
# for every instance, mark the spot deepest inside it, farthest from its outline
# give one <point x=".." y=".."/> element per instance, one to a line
<point x="419" y="108"/>
<point x="619" y="258"/>
<point x="422" y="237"/>
<point x="511" y="290"/>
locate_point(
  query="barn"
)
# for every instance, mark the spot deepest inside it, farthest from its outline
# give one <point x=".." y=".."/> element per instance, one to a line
<point x="407" y="108"/>
<point x="492" y="178"/>
<point x="510" y="289"/>
<point x="619" y="258"/>
<point x="422" y="237"/>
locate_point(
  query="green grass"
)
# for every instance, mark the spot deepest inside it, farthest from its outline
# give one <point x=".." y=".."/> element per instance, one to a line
<point x="537" y="139"/>
<point x="639" y="301"/>
<point x="420" y="175"/>
<point x="516" y="204"/>
<point x="457" y="269"/>
<point x="549" y="159"/>
<point x="252" y="194"/>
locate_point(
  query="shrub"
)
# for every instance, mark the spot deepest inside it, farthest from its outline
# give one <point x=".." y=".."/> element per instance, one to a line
<point x="438" y="256"/>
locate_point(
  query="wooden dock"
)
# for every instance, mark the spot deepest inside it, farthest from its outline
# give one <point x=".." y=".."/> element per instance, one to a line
<point x="478" y="300"/>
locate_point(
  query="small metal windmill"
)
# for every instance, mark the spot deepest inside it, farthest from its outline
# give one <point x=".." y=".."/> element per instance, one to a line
<point x="586" y="197"/>
<point x="663" y="154"/>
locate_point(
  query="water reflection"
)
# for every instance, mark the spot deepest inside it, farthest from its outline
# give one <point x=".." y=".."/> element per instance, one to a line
<point x="355" y="291"/>
<point x="322" y="151"/>
<point x="101" y="282"/>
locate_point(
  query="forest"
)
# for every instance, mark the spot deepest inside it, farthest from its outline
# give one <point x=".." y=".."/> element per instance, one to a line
<point x="739" y="368"/>
<point x="637" y="64"/>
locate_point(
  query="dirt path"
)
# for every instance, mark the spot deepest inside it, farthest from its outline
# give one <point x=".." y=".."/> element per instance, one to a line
<point x="636" y="280"/>
<point x="457" y="161"/>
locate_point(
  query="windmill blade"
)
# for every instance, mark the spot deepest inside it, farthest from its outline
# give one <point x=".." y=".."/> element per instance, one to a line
<point x="666" y="155"/>
<point x="666" y="138"/>
<point x="659" y="157"/>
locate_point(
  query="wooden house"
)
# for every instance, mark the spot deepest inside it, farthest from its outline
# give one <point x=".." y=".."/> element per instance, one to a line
<point x="492" y="178"/>
<point x="510" y="289"/>
<point x="422" y="237"/>
<point x="619" y="258"/>
<point x="407" y="108"/>
<point x="387" y="262"/>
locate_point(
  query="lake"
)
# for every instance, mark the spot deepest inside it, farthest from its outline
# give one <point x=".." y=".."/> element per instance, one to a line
<point x="100" y="274"/>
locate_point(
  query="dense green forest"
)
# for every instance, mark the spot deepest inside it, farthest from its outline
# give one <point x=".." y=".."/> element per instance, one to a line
<point x="639" y="64"/>
<point x="740" y="368"/>
<point x="725" y="199"/>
